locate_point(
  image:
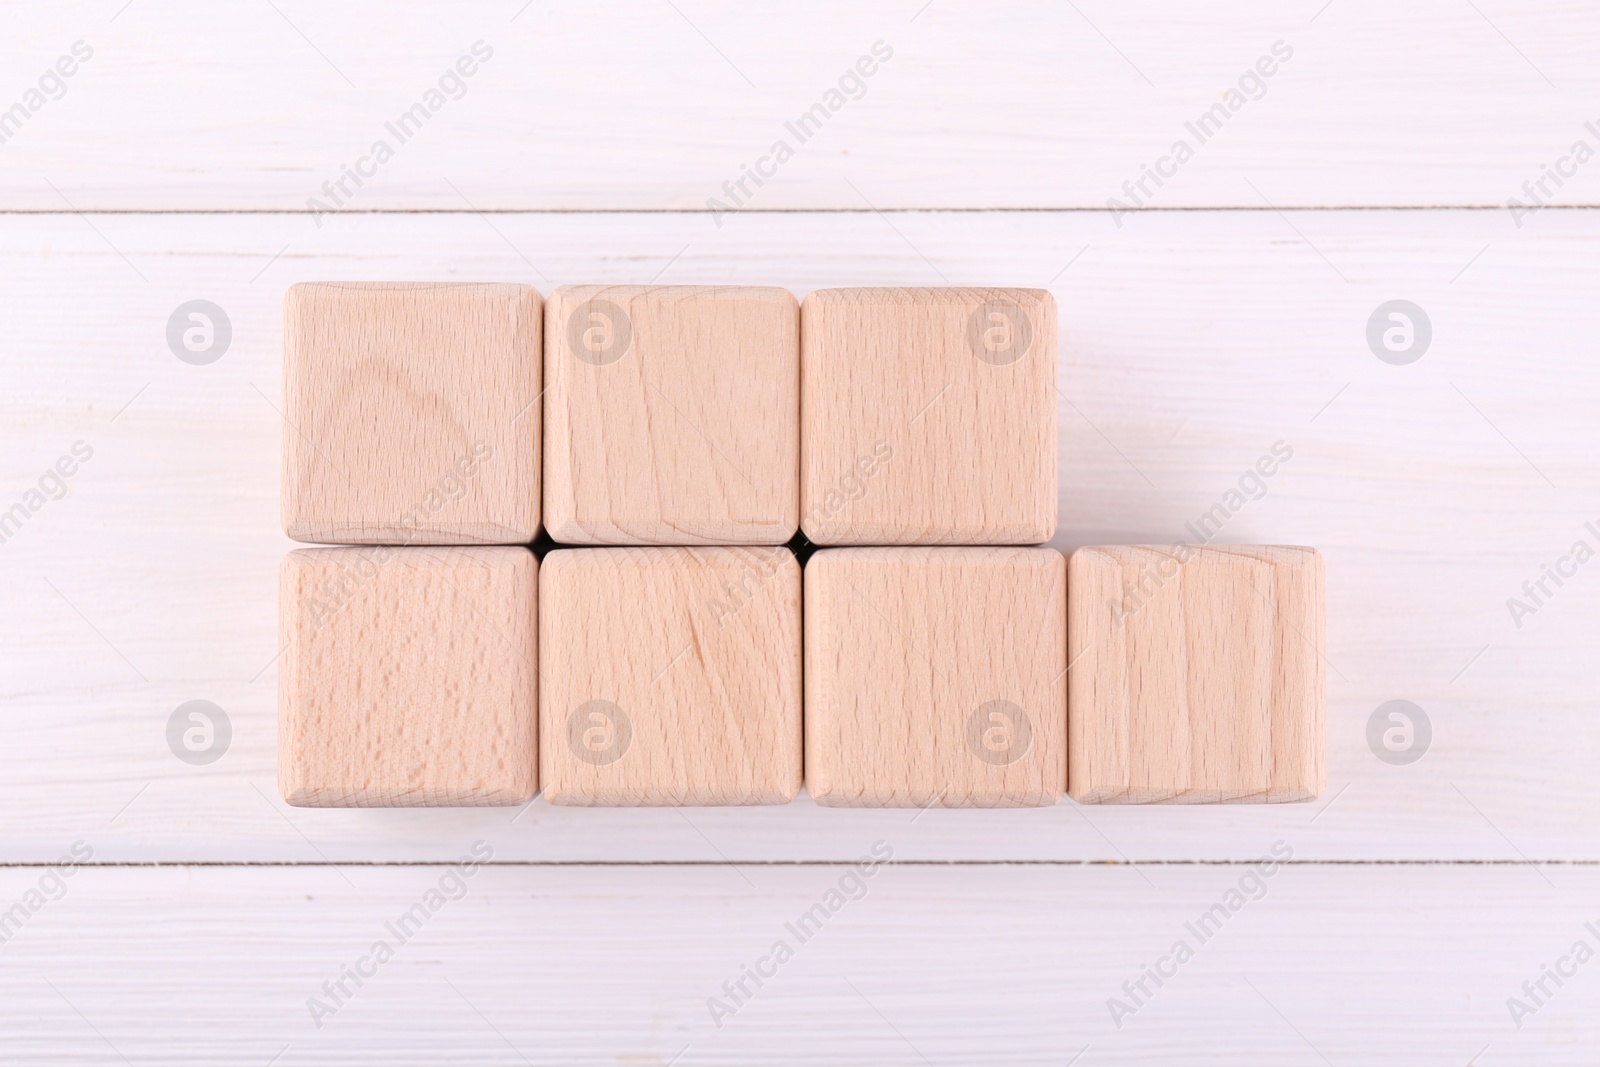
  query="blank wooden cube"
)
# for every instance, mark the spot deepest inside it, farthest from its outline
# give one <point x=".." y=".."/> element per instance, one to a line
<point x="1197" y="674"/>
<point x="412" y="413"/>
<point x="408" y="677"/>
<point x="935" y="676"/>
<point x="671" y="676"/>
<point x="929" y="416"/>
<point x="673" y="415"/>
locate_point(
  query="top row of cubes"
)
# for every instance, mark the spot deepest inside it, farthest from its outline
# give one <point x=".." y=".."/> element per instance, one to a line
<point x="672" y="415"/>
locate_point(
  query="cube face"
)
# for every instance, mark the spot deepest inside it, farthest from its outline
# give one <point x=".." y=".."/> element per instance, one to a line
<point x="672" y="415"/>
<point x="408" y="677"/>
<point x="412" y="413"/>
<point x="1197" y="674"/>
<point x="671" y="675"/>
<point x="928" y="416"/>
<point x="935" y="676"/>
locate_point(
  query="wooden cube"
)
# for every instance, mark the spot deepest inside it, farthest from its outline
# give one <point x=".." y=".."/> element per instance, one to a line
<point x="671" y="676"/>
<point x="1197" y="674"/>
<point x="408" y="677"/>
<point x="935" y="676"/>
<point x="673" y="415"/>
<point x="929" y="416"/>
<point x="411" y="413"/>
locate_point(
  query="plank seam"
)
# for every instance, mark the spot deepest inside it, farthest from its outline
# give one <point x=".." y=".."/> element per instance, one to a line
<point x="820" y="863"/>
<point x="1080" y="210"/>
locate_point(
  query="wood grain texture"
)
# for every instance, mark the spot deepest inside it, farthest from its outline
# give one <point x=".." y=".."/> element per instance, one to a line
<point x="1189" y="343"/>
<point x="1198" y="674"/>
<point x="407" y="677"/>
<point x="963" y="962"/>
<point x="1422" y="104"/>
<point x="928" y="416"/>
<point x="1190" y="340"/>
<point x="935" y="676"/>
<point x="671" y="676"/>
<point x="672" y="414"/>
<point x="414" y="413"/>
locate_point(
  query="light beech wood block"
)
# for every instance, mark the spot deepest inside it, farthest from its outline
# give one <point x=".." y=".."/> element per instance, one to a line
<point x="411" y="413"/>
<point x="935" y="676"/>
<point x="1197" y="674"/>
<point x="408" y="677"/>
<point x="671" y="676"/>
<point x="928" y="416"/>
<point x="673" y="415"/>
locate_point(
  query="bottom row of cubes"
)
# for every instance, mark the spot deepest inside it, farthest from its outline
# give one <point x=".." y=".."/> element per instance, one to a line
<point x="923" y="676"/>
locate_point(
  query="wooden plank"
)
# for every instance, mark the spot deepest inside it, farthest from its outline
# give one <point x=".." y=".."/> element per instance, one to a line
<point x="886" y="963"/>
<point x="302" y="107"/>
<point x="1190" y="345"/>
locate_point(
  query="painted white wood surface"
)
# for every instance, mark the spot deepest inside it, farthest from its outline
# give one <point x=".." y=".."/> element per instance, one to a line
<point x="1367" y="964"/>
<point x="655" y="105"/>
<point x="1191" y="342"/>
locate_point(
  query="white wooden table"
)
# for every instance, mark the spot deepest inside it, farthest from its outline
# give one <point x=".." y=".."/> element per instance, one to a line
<point x="212" y="924"/>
